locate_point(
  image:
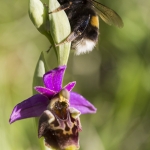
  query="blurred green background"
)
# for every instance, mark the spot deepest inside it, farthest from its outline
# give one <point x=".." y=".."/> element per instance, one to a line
<point x="115" y="77"/>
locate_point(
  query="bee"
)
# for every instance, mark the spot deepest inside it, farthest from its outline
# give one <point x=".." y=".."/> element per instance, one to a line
<point x="84" y="22"/>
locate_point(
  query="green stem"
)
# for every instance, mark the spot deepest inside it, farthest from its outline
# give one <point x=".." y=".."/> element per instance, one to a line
<point x="38" y="81"/>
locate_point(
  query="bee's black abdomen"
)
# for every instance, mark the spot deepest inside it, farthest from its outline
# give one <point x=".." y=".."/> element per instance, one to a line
<point x="93" y="28"/>
<point x="87" y="40"/>
<point x="93" y="34"/>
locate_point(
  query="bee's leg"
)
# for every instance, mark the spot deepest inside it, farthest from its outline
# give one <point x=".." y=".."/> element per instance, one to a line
<point x="62" y="7"/>
<point x="78" y="30"/>
<point x="66" y="5"/>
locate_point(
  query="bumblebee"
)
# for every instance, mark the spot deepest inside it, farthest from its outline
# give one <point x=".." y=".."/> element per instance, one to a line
<point x="84" y="22"/>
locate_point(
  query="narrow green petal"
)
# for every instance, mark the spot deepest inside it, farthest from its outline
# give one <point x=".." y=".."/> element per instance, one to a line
<point x="59" y="29"/>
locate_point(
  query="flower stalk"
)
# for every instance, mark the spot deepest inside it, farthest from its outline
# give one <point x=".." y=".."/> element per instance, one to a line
<point x="40" y="70"/>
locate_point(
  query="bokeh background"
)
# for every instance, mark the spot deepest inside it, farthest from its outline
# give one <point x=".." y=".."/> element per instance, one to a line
<point x="115" y="77"/>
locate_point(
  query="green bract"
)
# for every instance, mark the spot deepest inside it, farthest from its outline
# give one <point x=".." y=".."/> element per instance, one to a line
<point x="54" y="26"/>
<point x="39" y="72"/>
<point x="38" y="14"/>
<point x="37" y="80"/>
<point x="59" y="29"/>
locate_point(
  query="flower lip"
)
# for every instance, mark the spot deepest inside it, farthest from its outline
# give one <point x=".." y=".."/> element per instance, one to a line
<point x="62" y="115"/>
<point x="59" y="133"/>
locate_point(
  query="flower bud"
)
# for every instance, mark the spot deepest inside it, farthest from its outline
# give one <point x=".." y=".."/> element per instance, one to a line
<point x="38" y="14"/>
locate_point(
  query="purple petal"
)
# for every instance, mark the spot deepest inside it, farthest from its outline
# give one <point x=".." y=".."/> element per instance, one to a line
<point x="32" y="107"/>
<point x="53" y="78"/>
<point x="45" y="91"/>
<point x="80" y="103"/>
<point x="70" y="86"/>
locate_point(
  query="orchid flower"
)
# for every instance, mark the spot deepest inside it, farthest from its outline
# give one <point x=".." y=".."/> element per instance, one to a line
<point x="37" y="104"/>
<point x="58" y="108"/>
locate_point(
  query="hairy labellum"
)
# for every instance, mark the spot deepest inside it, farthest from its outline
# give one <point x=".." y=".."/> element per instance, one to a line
<point x="60" y="124"/>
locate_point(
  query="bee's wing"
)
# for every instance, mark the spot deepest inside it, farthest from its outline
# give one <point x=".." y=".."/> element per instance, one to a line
<point x="107" y="15"/>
